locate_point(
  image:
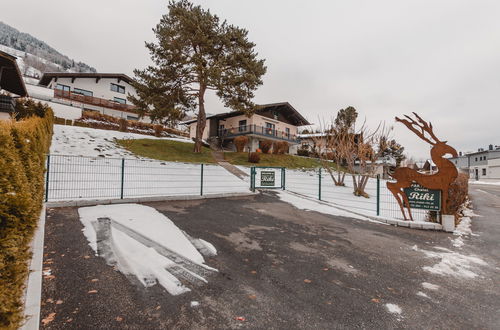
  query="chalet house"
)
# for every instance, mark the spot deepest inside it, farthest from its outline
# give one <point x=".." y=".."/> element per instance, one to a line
<point x="275" y="122"/>
<point x="102" y="92"/>
<point x="11" y="81"/>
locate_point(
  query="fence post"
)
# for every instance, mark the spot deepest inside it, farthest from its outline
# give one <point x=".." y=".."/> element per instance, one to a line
<point x="283" y="178"/>
<point x="252" y="184"/>
<point x="378" y="194"/>
<point x="122" y="178"/>
<point x="319" y="177"/>
<point x="201" y="181"/>
<point x="47" y="180"/>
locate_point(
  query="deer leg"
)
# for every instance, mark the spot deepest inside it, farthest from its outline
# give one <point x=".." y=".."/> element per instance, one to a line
<point x="407" y="202"/>
<point x="395" y="192"/>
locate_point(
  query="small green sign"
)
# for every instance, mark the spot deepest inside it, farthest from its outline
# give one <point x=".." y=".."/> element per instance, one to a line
<point x="267" y="178"/>
<point x="423" y="198"/>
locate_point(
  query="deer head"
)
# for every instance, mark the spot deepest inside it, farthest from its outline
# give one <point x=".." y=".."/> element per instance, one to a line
<point x="420" y="127"/>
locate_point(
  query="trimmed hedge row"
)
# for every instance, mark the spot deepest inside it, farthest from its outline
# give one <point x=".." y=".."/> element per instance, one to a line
<point x="23" y="146"/>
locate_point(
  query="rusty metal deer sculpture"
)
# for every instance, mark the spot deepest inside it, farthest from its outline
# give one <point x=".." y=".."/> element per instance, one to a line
<point x="404" y="176"/>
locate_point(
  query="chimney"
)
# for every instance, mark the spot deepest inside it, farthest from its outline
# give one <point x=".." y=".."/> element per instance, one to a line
<point x="490" y="147"/>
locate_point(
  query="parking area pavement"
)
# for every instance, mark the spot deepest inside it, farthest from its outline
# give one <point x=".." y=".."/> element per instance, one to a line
<point x="279" y="268"/>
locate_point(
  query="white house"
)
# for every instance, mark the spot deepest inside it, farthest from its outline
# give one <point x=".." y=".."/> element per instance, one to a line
<point x="482" y="164"/>
<point x="103" y="92"/>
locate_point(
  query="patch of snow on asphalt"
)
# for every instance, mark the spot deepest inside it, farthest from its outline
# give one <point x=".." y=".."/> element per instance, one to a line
<point x="132" y="257"/>
<point x="430" y="286"/>
<point x="91" y="142"/>
<point x="394" y="309"/>
<point x="453" y="263"/>
<point x="309" y="205"/>
<point x="422" y="294"/>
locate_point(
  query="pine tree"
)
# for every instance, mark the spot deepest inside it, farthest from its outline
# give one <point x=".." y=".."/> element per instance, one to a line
<point x="195" y="52"/>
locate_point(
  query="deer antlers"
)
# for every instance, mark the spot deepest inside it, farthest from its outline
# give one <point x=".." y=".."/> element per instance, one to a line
<point x="415" y="125"/>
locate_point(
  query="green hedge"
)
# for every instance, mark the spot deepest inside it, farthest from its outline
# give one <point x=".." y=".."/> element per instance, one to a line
<point x="23" y="146"/>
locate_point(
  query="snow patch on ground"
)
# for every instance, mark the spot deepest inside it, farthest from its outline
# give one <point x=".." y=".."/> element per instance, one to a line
<point x="430" y="286"/>
<point x="394" y="309"/>
<point x="496" y="183"/>
<point x="422" y="294"/>
<point x="309" y="205"/>
<point x="132" y="257"/>
<point x="453" y="263"/>
<point x="91" y="142"/>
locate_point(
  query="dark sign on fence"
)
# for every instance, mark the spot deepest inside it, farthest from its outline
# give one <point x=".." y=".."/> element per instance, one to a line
<point x="267" y="178"/>
<point x="423" y="198"/>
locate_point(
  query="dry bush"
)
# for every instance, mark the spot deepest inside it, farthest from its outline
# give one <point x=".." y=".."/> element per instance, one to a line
<point x="266" y="145"/>
<point x="253" y="157"/>
<point x="279" y="148"/>
<point x="458" y="193"/>
<point x="123" y="125"/>
<point x="240" y="142"/>
<point x="158" y="130"/>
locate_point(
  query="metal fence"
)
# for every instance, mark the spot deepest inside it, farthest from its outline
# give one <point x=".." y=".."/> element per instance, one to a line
<point x="75" y="177"/>
<point x="319" y="185"/>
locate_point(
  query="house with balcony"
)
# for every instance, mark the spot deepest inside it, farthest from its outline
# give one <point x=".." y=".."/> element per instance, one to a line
<point x="274" y="122"/>
<point x="103" y="92"/>
<point x="11" y="81"/>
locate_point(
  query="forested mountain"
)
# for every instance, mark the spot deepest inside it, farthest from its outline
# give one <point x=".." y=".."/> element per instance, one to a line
<point x="37" y="54"/>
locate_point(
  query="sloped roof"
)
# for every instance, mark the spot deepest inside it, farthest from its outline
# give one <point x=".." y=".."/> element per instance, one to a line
<point x="11" y="79"/>
<point x="284" y="107"/>
<point x="48" y="76"/>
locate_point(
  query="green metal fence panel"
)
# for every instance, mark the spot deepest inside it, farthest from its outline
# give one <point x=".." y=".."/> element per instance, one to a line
<point x="319" y="183"/>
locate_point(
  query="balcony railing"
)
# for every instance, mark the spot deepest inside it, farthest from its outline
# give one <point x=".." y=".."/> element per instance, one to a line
<point x="257" y="130"/>
<point x="58" y="93"/>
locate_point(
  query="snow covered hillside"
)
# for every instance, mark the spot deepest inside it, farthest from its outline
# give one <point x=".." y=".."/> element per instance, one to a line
<point x="84" y="141"/>
<point x="86" y="163"/>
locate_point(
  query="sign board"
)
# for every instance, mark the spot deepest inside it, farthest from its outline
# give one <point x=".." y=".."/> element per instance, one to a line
<point x="423" y="198"/>
<point x="267" y="178"/>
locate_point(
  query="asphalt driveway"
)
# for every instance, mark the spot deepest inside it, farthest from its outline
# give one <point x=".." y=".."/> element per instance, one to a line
<point x="279" y="268"/>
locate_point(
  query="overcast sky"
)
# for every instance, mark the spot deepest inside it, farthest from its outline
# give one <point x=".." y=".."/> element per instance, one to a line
<point x="385" y="58"/>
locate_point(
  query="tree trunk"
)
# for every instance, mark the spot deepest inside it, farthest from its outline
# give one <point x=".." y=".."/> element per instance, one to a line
<point x="202" y="120"/>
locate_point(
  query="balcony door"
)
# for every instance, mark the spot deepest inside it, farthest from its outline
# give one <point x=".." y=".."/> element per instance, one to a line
<point x="270" y="128"/>
<point x="242" y="126"/>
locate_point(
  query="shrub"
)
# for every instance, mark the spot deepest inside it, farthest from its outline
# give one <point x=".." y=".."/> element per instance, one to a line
<point x="303" y="152"/>
<point x="158" y="130"/>
<point x="123" y="124"/>
<point x="23" y="146"/>
<point x="253" y="157"/>
<point x="458" y="193"/>
<point x="240" y="142"/>
<point x="266" y="145"/>
<point x="279" y="148"/>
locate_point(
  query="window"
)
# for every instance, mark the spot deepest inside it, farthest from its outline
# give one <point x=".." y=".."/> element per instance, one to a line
<point x="118" y="88"/>
<point x="63" y="87"/>
<point x="287" y="131"/>
<point x="82" y="92"/>
<point x="242" y="125"/>
<point x="120" y="100"/>
<point x="484" y="171"/>
<point x="476" y="159"/>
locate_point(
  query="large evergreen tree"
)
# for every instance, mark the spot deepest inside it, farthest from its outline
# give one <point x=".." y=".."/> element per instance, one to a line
<point x="195" y="52"/>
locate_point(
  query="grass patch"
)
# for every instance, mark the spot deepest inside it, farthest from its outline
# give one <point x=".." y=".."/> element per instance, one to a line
<point x="288" y="161"/>
<point x="173" y="151"/>
<point x="176" y="151"/>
